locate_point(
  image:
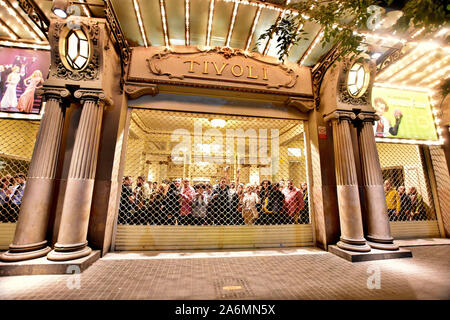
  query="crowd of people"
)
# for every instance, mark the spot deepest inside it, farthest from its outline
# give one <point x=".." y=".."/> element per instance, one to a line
<point x="11" y="193"/>
<point x="402" y="205"/>
<point x="177" y="202"/>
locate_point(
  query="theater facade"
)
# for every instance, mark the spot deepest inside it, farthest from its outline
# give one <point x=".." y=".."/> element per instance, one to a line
<point x="154" y="135"/>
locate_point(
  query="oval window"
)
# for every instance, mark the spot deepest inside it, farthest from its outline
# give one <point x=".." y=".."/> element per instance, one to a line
<point x="77" y="49"/>
<point x="358" y="80"/>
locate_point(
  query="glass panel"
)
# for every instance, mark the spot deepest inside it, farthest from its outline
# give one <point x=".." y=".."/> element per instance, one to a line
<point x="72" y="48"/>
<point x="80" y="62"/>
<point x="84" y="48"/>
<point x="351" y="77"/>
<point x="360" y="78"/>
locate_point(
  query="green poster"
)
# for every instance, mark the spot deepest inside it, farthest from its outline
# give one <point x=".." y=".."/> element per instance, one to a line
<point x="404" y="114"/>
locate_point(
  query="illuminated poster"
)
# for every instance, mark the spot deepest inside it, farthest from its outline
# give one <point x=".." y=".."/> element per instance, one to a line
<point x="404" y="114"/>
<point x="22" y="71"/>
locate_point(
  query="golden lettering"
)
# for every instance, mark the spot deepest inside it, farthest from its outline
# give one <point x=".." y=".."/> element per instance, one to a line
<point x="219" y="72"/>
<point x="250" y="71"/>
<point x="191" y="67"/>
<point x="205" y="67"/>
<point x="265" y="73"/>
<point x="237" y="74"/>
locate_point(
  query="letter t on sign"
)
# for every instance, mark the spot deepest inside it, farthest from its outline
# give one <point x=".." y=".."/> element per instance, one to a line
<point x="191" y="67"/>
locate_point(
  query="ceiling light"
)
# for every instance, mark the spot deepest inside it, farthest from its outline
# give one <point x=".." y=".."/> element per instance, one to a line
<point x="218" y="123"/>
<point x="59" y="8"/>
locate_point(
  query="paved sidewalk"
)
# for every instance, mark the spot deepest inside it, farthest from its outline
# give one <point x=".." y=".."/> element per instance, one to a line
<point x="304" y="273"/>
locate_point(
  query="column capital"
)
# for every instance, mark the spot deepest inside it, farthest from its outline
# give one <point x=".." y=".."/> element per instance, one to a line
<point x="339" y="116"/>
<point x="98" y="96"/>
<point x="368" y="117"/>
<point x="57" y="93"/>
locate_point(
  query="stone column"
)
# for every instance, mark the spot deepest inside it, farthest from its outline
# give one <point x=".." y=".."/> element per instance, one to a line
<point x="352" y="234"/>
<point x="72" y="243"/>
<point x="30" y="236"/>
<point x="378" y="229"/>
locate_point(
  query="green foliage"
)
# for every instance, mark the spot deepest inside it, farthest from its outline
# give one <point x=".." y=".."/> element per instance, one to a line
<point x="333" y="16"/>
<point x="445" y="87"/>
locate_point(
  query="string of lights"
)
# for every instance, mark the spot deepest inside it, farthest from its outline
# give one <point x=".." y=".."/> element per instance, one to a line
<point x="137" y="10"/>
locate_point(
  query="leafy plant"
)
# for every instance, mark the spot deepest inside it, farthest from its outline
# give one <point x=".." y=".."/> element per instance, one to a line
<point x="340" y="19"/>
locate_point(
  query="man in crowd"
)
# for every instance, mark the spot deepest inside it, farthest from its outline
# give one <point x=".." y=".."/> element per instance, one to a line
<point x="126" y="201"/>
<point x="293" y="201"/>
<point x="392" y="201"/>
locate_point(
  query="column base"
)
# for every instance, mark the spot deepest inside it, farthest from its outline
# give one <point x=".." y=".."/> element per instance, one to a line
<point x="353" y="247"/>
<point x="68" y="255"/>
<point x="381" y="243"/>
<point x="383" y="246"/>
<point x="14" y="256"/>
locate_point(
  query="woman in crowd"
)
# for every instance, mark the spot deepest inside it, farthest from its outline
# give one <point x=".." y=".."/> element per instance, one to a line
<point x="248" y="204"/>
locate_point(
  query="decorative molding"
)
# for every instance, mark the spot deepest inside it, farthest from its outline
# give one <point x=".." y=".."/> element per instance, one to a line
<point x="302" y="104"/>
<point x="368" y="117"/>
<point x="91" y="71"/>
<point x="36" y="15"/>
<point x="320" y="70"/>
<point x="48" y="93"/>
<point x="136" y="90"/>
<point x="339" y="116"/>
<point x="98" y="96"/>
<point x="154" y="66"/>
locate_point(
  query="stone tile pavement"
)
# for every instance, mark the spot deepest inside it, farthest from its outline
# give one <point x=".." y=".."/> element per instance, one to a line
<point x="286" y="274"/>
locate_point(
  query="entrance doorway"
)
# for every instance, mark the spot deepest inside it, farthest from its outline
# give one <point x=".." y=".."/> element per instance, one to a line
<point x="204" y="181"/>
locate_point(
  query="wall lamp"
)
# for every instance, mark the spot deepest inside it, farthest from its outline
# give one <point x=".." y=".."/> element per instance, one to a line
<point x="61" y="8"/>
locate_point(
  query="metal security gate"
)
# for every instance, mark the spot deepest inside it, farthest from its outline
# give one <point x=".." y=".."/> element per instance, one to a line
<point x="17" y="138"/>
<point x="409" y="196"/>
<point x="199" y="181"/>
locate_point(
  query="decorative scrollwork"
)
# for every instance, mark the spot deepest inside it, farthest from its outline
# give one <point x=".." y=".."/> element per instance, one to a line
<point x="36" y="15"/>
<point x="113" y="23"/>
<point x="319" y="72"/>
<point x="395" y="55"/>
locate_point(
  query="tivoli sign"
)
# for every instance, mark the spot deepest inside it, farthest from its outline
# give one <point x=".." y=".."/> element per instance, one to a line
<point x="219" y="68"/>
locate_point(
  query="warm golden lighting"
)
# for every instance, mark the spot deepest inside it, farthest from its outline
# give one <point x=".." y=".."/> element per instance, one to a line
<point x="137" y="10"/>
<point x="210" y="19"/>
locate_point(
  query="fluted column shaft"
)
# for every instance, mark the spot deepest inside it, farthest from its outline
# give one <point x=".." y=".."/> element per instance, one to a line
<point x="352" y="234"/>
<point x="30" y="236"/>
<point x="72" y="243"/>
<point x="378" y="229"/>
